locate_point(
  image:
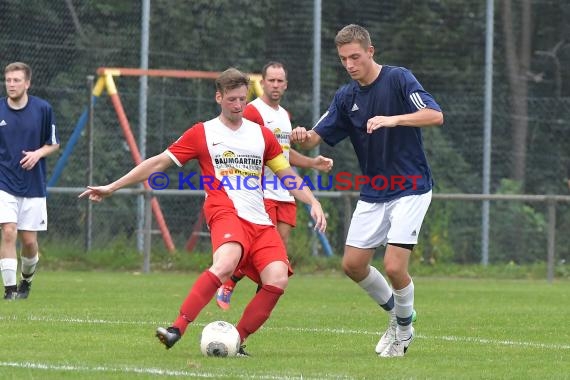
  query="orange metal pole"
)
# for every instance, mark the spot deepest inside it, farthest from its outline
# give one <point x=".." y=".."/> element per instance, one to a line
<point x="124" y="122"/>
<point x="109" y="72"/>
<point x="125" y="71"/>
<point x="192" y="74"/>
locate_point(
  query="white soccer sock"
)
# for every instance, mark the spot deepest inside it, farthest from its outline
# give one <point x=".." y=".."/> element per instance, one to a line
<point x="404" y="307"/>
<point x="29" y="267"/>
<point x="9" y="267"/>
<point x="377" y="287"/>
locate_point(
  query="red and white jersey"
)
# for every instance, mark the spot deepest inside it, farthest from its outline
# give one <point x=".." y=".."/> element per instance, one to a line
<point x="279" y="122"/>
<point x="232" y="165"/>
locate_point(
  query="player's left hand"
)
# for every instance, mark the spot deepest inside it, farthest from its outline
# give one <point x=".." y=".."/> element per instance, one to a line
<point x="380" y="122"/>
<point x="30" y="159"/>
<point x="318" y="216"/>
<point x="323" y="164"/>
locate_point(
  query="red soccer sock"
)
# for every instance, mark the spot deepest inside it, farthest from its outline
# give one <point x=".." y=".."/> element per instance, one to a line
<point x="258" y="310"/>
<point x="200" y="294"/>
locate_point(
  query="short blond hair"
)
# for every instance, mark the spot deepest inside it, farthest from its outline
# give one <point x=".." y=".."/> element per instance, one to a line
<point x="353" y="33"/>
<point x="231" y="79"/>
<point x="19" y="66"/>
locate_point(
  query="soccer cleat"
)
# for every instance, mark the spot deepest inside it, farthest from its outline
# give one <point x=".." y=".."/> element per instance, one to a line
<point x="223" y="296"/>
<point x="398" y="347"/>
<point x="242" y="352"/>
<point x="168" y="336"/>
<point x="10" y="295"/>
<point x="24" y="289"/>
<point x="388" y="337"/>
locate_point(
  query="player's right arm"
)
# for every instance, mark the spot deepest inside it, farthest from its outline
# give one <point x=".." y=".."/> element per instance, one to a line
<point x="320" y="163"/>
<point x="276" y="161"/>
<point x="296" y="187"/>
<point x="138" y="174"/>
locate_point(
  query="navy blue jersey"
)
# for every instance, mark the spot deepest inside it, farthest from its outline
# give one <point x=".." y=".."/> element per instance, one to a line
<point x="26" y="129"/>
<point x="392" y="158"/>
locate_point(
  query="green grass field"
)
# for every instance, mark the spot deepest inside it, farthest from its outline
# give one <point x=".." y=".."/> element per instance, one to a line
<point x="97" y="325"/>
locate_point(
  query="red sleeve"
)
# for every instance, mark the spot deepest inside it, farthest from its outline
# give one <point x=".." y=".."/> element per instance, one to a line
<point x="272" y="146"/>
<point x="190" y="145"/>
<point x="252" y="114"/>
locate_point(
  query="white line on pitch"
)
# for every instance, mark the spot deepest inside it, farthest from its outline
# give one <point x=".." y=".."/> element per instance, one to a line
<point x="155" y="371"/>
<point x="548" y="346"/>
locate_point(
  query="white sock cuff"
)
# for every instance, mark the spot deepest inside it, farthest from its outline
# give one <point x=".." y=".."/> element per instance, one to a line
<point x="404" y="291"/>
<point x="372" y="275"/>
<point x="26" y="261"/>
<point x="9" y="264"/>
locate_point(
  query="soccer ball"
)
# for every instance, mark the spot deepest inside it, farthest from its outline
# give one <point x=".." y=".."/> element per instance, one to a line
<point x="219" y="339"/>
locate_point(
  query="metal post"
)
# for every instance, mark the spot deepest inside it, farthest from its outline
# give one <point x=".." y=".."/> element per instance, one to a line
<point x="551" y="239"/>
<point x="488" y="122"/>
<point x="143" y="90"/>
<point x="317" y="18"/>
<point x="89" y="205"/>
<point x="147" y="231"/>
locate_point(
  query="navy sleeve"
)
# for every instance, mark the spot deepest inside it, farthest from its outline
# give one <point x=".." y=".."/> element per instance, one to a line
<point x="330" y="126"/>
<point x="49" y="130"/>
<point x="415" y="95"/>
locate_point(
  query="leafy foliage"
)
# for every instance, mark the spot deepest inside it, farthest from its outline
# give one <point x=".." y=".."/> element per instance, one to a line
<point x="441" y="41"/>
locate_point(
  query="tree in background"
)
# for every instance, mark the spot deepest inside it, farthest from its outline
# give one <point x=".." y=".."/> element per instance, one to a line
<point x="517" y="56"/>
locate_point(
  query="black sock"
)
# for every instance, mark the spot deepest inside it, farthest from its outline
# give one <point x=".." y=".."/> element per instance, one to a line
<point x="235" y="278"/>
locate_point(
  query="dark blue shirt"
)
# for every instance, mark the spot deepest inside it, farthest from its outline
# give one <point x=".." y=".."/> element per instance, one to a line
<point x="26" y="129"/>
<point x="392" y="158"/>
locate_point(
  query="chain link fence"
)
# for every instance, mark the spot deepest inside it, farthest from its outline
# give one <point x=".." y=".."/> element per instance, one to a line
<point x="442" y="42"/>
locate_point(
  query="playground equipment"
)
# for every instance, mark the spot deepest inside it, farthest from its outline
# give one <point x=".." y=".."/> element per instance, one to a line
<point x="105" y="81"/>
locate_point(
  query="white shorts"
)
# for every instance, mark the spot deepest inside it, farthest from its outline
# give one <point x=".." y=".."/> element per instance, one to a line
<point x="398" y="221"/>
<point x="29" y="214"/>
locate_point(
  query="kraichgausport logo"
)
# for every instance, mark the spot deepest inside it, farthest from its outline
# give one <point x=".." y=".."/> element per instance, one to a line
<point x="244" y="179"/>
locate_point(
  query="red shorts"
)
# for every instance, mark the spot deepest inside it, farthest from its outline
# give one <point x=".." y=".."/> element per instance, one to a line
<point x="279" y="211"/>
<point x="261" y="244"/>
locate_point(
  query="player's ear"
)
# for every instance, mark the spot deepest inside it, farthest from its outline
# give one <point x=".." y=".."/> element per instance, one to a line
<point x="219" y="97"/>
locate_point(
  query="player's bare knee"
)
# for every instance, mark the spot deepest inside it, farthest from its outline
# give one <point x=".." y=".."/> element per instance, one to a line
<point x="276" y="274"/>
<point x="9" y="233"/>
<point x="392" y="270"/>
<point x="279" y="282"/>
<point x="396" y="274"/>
<point x="354" y="271"/>
<point x="29" y="246"/>
<point x="222" y="270"/>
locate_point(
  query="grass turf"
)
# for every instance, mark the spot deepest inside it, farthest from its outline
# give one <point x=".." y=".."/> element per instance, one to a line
<point x="98" y="325"/>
